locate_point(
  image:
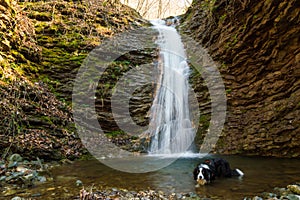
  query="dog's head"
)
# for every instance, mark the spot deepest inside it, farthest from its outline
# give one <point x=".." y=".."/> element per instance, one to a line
<point x="203" y="174"/>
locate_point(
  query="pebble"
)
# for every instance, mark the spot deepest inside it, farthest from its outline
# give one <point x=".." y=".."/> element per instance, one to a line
<point x="15" y="158"/>
<point x="9" y="192"/>
<point x="291" y="192"/>
<point x="293" y="197"/>
<point x="42" y="179"/>
<point x="29" y="177"/>
<point x="17" y="198"/>
<point x="79" y="183"/>
<point x="12" y="164"/>
<point x="51" y="189"/>
<point x="16" y="171"/>
<point x="122" y="194"/>
<point x="2" y="178"/>
<point x="22" y="169"/>
<point x="36" y="195"/>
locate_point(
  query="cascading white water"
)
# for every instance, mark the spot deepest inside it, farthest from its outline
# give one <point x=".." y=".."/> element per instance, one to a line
<point x="170" y="125"/>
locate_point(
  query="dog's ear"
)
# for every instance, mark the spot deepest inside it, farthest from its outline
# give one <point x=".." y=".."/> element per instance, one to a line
<point x="196" y="172"/>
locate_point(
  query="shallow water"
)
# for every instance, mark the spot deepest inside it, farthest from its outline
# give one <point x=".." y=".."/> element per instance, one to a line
<point x="261" y="175"/>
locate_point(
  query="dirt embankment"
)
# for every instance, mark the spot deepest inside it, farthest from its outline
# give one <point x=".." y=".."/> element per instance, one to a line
<point x="256" y="44"/>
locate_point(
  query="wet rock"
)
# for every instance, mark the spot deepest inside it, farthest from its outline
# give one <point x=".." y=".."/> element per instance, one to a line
<point x="2" y="178"/>
<point x="50" y="189"/>
<point x="268" y="195"/>
<point x="290" y="193"/>
<point x="36" y="195"/>
<point x="193" y="195"/>
<point x="12" y="164"/>
<point x="29" y="177"/>
<point x="9" y="191"/>
<point x="17" y="198"/>
<point x="257" y="198"/>
<point x="294" y="188"/>
<point x="292" y="197"/>
<point x="79" y="183"/>
<point x="22" y="173"/>
<point x="41" y="179"/>
<point x="179" y="196"/>
<point x="129" y="195"/>
<point x="124" y="194"/>
<point x="2" y="165"/>
<point x="22" y="169"/>
<point x="16" y="158"/>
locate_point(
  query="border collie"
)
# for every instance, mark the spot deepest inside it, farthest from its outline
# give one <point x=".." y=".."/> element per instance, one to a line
<point x="206" y="172"/>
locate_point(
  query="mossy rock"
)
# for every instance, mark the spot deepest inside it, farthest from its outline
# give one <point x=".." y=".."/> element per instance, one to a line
<point x="40" y="16"/>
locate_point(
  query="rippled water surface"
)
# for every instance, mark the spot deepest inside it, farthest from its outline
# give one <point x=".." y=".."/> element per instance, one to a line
<point x="261" y="174"/>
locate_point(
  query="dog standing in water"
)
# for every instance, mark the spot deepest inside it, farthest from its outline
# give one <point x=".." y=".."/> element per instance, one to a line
<point x="210" y="169"/>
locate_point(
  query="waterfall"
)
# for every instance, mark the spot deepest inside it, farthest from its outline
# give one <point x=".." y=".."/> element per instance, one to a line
<point x="170" y="126"/>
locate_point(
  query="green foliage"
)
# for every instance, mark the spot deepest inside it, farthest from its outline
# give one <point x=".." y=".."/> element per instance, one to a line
<point x="208" y="5"/>
<point x="223" y="65"/>
<point x="233" y="41"/>
<point x="228" y="91"/>
<point x="223" y="17"/>
<point x="204" y="122"/>
<point x="41" y="16"/>
<point x="117" y="133"/>
<point x="46" y="119"/>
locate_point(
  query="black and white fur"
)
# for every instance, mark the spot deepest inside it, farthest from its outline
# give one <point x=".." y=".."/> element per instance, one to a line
<point x="212" y="168"/>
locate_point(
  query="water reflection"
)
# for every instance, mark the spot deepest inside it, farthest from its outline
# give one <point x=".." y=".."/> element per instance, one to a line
<point x="261" y="174"/>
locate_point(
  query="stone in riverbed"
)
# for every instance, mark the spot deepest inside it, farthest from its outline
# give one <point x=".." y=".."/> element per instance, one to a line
<point x="15" y="158"/>
<point x="294" y="188"/>
<point x="41" y="179"/>
<point x="29" y="177"/>
<point x="292" y="197"/>
<point x="12" y="164"/>
<point x="17" y="198"/>
<point x="268" y="195"/>
<point x="2" y="164"/>
<point x="129" y="195"/>
<point x="9" y="192"/>
<point x="79" y="183"/>
<point x="281" y="191"/>
<point x="22" y="169"/>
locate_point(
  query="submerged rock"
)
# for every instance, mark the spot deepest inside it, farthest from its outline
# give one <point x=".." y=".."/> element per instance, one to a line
<point x="79" y="183"/>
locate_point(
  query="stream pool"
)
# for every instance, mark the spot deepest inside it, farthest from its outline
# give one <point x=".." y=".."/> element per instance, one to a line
<point x="261" y="175"/>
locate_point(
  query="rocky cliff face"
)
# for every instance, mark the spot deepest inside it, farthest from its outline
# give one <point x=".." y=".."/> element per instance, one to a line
<point x="67" y="32"/>
<point x="256" y="44"/>
<point x="43" y="44"/>
<point x="33" y="121"/>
